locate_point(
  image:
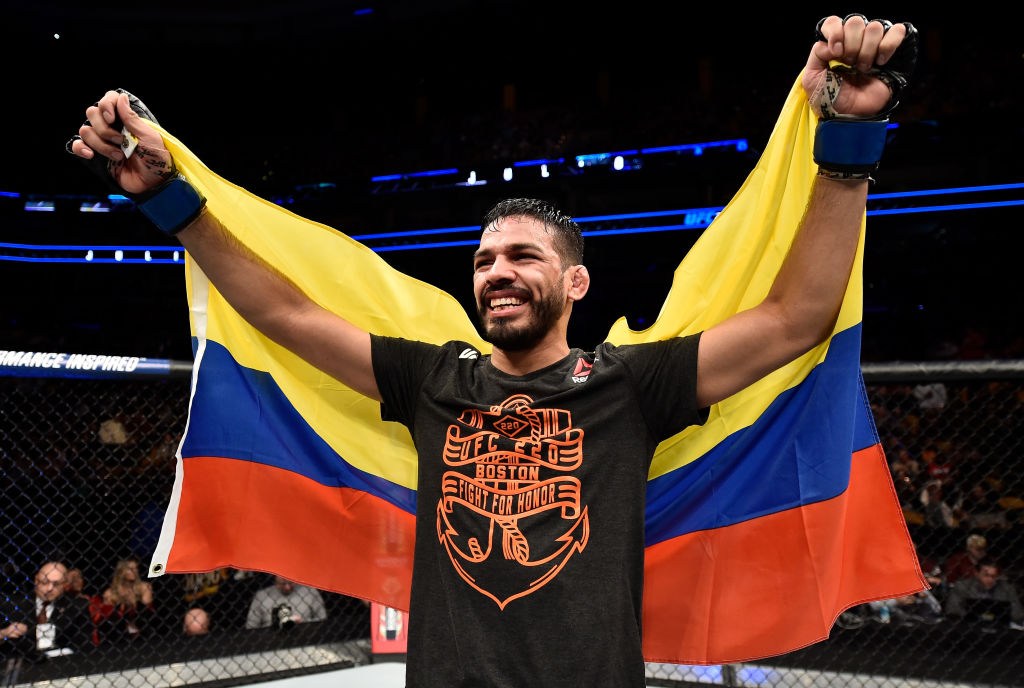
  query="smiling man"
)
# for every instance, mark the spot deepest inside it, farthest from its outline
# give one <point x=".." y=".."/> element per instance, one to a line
<point x="530" y="253"/>
<point x="533" y="460"/>
<point x="533" y="469"/>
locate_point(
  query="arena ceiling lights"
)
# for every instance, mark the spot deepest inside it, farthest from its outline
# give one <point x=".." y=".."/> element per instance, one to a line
<point x="618" y="161"/>
<point x="898" y="203"/>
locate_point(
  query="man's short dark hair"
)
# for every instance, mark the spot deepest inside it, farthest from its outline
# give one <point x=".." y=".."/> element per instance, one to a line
<point x="986" y="562"/>
<point x="568" y="237"/>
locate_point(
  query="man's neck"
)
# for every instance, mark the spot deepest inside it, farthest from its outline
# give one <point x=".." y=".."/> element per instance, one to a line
<point x="527" y="361"/>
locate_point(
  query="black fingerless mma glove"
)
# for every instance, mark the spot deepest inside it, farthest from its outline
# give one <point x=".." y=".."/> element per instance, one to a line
<point x="850" y="147"/>
<point x="172" y="205"/>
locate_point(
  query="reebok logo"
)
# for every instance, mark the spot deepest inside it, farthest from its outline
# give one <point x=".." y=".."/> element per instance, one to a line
<point x="469" y="353"/>
<point x="582" y="371"/>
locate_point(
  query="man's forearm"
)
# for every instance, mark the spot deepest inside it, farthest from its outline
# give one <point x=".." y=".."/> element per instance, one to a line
<point x="258" y="291"/>
<point x="278" y="308"/>
<point x="809" y="288"/>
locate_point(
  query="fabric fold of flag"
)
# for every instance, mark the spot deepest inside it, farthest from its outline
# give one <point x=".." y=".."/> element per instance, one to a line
<point x="763" y="524"/>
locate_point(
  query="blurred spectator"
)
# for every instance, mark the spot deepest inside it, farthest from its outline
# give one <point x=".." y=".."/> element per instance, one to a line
<point x="853" y="618"/>
<point x="937" y="512"/>
<point x="161" y="457"/>
<point x="111" y="454"/>
<point x="981" y="508"/>
<point x="204" y="585"/>
<point x="973" y="467"/>
<point x="75" y="585"/>
<point x="285" y="602"/>
<point x="224" y="593"/>
<point x="112" y="431"/>
<point x="905" y="490"/>
<point x="933" y="576"/>
<point x="986" y="584"/>
<point x="964" y="564"/>
<point x="921" y="607"/>
<point x="1014" y="508"/>
<point x="905" y="462"/>
<point x="47" y="624"/>
<point x="197" y="622"/>
<point x="906" y="471"/>
<point x="938" y="466"/>
<point x="932" y="572"/>
<point x="931" y="397"/>
<point x="126" y="606"/>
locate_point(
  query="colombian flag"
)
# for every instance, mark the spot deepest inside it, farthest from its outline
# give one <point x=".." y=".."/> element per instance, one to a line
<point x="763" y="525"/>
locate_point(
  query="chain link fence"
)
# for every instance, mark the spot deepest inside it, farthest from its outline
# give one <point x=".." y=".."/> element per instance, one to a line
<point x="86" y="468"/>
<point x="953" y="437"/>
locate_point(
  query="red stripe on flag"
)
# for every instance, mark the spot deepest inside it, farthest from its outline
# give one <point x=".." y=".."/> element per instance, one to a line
<point x="742" y="592"/>
<point x="257" y="517"/>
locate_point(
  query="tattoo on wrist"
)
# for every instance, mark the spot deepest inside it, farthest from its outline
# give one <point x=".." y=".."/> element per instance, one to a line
<point x="114" y="167"/>
<point x="154" y="162"/>
<point x="845" y="176"/>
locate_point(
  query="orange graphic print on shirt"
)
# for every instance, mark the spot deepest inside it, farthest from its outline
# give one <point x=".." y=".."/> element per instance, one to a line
<point x="510" y="513"/>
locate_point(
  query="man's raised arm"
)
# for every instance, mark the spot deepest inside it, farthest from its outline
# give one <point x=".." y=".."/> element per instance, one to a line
<point x="802" y="306"/>
<point x="268" y="300"/>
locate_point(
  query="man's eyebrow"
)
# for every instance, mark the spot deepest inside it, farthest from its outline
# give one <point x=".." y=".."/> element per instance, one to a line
<point x="523" y="246"/>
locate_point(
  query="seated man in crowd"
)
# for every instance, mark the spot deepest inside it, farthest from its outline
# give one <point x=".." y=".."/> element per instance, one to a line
<point x="197" y="622"/>
<point x="47" y="624"/>
<point x="964" y="563"/>
<point x="284" y="603"/>
<point x="76" y="585"/>
<point x="987" y="586"/>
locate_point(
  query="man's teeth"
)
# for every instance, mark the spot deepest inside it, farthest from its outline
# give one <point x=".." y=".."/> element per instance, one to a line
<point x="505" y="302"/>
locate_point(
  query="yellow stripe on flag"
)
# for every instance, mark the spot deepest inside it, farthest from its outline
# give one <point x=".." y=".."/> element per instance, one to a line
<point x="343" y="276"/>
<point x="731" y="269"/>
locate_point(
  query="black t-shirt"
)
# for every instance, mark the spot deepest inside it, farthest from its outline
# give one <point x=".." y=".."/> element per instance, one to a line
<point x="528" y="568"/>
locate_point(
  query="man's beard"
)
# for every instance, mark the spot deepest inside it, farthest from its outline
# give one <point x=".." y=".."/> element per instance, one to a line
<point x="504" y="335"/>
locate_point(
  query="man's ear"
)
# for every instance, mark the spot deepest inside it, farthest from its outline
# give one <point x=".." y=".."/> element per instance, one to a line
<point x="579" y="282"/>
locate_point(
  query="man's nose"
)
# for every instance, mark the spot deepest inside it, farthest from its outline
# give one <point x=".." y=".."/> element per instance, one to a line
<point x="500" y="271"/>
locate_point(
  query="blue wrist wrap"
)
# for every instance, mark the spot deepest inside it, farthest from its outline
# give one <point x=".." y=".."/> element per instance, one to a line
<point x="173" y="205"/>
<point x="850" y="147"/>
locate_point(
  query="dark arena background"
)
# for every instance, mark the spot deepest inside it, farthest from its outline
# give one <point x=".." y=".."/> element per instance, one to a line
<point x="386" y="118"/>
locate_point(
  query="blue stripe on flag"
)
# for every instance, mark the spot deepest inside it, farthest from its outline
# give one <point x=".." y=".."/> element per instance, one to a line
<point x="241" y="413"/>
<point x="796" y="453"/>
